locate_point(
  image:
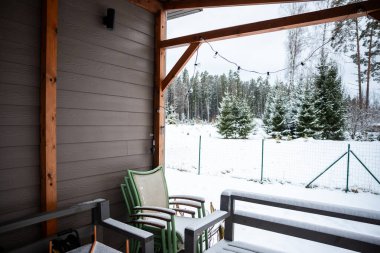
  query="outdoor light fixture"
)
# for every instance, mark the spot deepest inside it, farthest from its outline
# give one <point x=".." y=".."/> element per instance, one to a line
<point x="109" y="20"/>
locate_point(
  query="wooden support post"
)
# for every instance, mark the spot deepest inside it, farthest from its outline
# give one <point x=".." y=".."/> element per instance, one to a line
<point x="159" y="103"/>
<point x="48" y="141"/>
<point x="180" y="64"/>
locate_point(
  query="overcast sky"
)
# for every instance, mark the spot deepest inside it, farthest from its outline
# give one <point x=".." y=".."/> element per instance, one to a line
<point x="265" y="52"/>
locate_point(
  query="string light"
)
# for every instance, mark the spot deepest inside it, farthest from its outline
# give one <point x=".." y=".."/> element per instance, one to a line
<point x="239" y="68"/>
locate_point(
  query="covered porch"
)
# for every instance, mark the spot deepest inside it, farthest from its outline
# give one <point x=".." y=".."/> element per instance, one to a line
<point x="82" y="99"/>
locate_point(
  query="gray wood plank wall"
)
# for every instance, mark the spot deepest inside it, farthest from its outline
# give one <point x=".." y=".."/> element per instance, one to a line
<point x="19" y="116"/>
<point x="104" y="101"/>
<point x="104" y="106"/>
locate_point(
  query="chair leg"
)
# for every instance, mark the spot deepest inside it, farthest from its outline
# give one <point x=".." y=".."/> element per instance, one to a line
<point x="163" y="241"/>
<point x="169" y="237"/>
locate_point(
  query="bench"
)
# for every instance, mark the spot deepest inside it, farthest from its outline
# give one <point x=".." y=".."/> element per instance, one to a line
<point x="100" y="216"/>
<point x="313" y="229"/>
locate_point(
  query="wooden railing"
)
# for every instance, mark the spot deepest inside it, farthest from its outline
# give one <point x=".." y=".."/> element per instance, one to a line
<point x="335" y="236"/>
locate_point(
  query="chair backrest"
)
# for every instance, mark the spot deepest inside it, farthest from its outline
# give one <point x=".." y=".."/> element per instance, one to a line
<point x="149" y="187"/>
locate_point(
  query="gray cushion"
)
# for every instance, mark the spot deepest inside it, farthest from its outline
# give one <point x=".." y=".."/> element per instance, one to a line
<point x="99" y="248"/>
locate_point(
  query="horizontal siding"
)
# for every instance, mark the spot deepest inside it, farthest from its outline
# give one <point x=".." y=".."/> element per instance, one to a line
<point x="15" y="136"/>
<point x="90" y="101"/>
<point x="19" y="156"/>
<point x="19" y="117"/>
<point x="19" y="53"/>
<point x="12" y="115"/>
<point x="130" y="15"/>
<point x="101" y="54"/>
<point x="101" y="70"/>
<point x="19" y="33"/>
<point x="14" y="178"/>
<point x="82" y="18"/>
<point x="82" y="169"/>
<point x="25" y="14"/>
<point x="78" y="82"/>
<point x="27" y="197"/>
<point x="104" y="102"/>
<point x="71" y="189"/>
<point x="78" y="134"/>
<point x="21" y="74"/>
<point x="80" y="117"/>
<point x="11" y="94"/>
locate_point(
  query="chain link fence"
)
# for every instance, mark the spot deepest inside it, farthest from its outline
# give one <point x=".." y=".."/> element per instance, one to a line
<point x="343" y="165"/>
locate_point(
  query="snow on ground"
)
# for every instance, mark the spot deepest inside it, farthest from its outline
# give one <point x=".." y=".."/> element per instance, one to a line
<point x="295" y="162"/>
<point x="211" y="188"/>
<point x="288" y="167"/>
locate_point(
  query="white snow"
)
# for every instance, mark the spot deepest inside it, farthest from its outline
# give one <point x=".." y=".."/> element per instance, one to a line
<point x="235" y="164"/>
<point x="296" y="161"/>
<point x="211" y="187"/>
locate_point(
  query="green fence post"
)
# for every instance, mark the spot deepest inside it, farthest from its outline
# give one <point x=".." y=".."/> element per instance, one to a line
<point x="199" y="154"/>
<point x="262" y="160"/>
<point x="348" y="166"/>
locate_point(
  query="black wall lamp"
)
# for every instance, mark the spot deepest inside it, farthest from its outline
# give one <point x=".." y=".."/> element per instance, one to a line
<point x="109" y="20"/>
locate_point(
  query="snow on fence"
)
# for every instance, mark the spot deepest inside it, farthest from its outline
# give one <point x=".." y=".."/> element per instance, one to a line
<point x="296" y="161"/>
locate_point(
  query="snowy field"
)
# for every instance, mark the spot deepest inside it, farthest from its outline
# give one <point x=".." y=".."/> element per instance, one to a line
<point x="294" y="162"/>
<point x="211" y="187"/>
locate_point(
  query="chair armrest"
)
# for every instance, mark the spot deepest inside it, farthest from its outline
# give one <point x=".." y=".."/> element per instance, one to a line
<point x="150" y="223"/>
<point x="191" y="212"/>
<point x="188" y="197"/>
<point x="155" y="208"/>
<point x="159" y="216"/>
<point x="193" y="231"/>
<point x="186" y="203"/>
<point x="146" y="239"/>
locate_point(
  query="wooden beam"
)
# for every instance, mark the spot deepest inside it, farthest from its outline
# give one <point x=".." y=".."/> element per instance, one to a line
<point x="375" y="15"/>
<point x="48" y="142"/>
<point x="159" y="101"/>
<point x="180" y="64"/>
<point x="191" y="4"/>
<point x="152" y="6"/>
<point x="311" y="18"/>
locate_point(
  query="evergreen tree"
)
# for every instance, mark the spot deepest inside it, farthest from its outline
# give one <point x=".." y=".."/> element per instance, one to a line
<point x="235" y="118"/>
<point x="306" y="117"/>
<point x="244" y="118"/>
<point x="329" y="102"/>
<point x="268" y="112"/>
<point x="225" y="120"/>
<point x="171" y="115"/>
<point x="278" y="115"/>
<point x="293" y="108"/>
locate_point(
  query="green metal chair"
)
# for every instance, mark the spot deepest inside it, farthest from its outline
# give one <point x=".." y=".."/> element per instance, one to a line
<point x="151" y="208"/>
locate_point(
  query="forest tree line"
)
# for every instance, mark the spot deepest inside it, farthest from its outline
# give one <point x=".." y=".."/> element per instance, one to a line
<point x="309" y="101"/>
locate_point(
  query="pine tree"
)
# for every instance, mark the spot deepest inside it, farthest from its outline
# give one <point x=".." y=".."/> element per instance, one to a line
<point x="278" y="116"/>
<point x="329" y="102"/>
<point x="235" y="118"/>
<point x="244" y="118"/>
<point x="268" y="112"/>
<point x="306" y="117"/>
<point x="293" y="108"/>
<point x="225" y="119"/>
